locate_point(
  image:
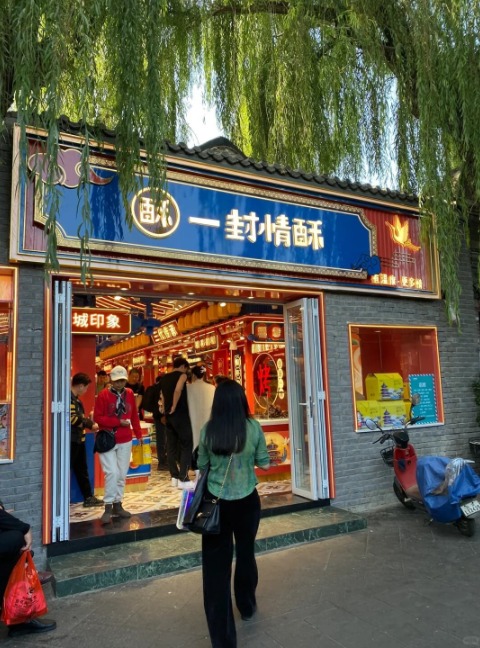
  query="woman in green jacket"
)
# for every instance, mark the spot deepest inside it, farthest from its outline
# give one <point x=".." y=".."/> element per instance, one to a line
<point x="232" y="443"/>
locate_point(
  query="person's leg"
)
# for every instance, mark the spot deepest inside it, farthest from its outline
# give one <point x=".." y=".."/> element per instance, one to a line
<point x="161" y="439"/>
<point x="123" y="452"/>
<point x="172" y="451"/>
<point x="78" y="463"/>
<point x="108" y="461"/>
<point x="10" y="544"/>
<point x="183" y="429"/>
<point x="245" y="520"/>
<point x="217" y="555"/>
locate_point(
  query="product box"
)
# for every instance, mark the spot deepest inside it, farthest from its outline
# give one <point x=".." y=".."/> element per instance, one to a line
<point x="394" y="413"/>
<point x="384" y="386"/>
<point x="368" y="410"/>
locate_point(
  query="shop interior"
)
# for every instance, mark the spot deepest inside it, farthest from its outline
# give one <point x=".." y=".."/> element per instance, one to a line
<point x="233" y="332"/>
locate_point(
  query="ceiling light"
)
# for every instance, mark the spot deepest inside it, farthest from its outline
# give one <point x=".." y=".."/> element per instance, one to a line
<point x="117" y="297"/>
<point x="222" y="304"/>
<point x="190" y="293"/>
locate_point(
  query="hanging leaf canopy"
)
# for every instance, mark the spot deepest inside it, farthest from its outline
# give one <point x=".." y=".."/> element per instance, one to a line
<point x="363" y="89"/>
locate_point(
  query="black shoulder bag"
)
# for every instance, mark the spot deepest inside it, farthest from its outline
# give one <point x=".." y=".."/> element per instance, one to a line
<point x="203" y="515"/>
<point x="104" y="441"/>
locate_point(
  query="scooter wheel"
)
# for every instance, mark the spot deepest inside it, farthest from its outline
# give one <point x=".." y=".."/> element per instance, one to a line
<point x="466" y="526"/>
<point x="407" y="503"/>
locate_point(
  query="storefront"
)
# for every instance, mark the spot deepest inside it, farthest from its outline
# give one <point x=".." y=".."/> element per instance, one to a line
<point x="318" y="296"/>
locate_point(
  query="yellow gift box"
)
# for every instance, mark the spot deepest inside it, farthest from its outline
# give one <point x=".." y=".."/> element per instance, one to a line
<point x="394" y="413"/>
<point x="384" y="386"/>
<point x="368" y="410"/>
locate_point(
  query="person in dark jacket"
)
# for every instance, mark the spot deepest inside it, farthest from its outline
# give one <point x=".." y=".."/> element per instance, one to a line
<point x="78" y="424"/>
<point x="179" y="428"/>
<point x="15" y="537"/>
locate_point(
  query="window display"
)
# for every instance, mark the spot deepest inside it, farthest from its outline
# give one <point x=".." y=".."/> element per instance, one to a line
<point x="7" y="367"/>
<point x="388" y="363"/>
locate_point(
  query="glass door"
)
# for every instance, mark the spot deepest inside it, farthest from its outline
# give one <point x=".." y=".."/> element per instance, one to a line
<point x="60" y="408"/>
<point x="306" y="400"/>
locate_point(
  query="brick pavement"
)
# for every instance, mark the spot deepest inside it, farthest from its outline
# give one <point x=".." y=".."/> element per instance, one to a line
<point x="398" y="584"/>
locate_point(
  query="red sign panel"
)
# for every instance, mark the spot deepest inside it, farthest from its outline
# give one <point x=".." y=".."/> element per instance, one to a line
<point x="100" y="321"/>
<point x="268" y="331"/>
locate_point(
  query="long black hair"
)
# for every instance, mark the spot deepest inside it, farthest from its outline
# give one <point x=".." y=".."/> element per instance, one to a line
<point x="226" y="431"/>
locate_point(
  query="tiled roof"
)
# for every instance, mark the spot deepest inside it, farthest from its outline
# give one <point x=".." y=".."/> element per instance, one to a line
<point x="221" y="152"/>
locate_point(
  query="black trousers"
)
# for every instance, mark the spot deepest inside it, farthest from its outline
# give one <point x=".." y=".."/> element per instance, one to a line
<point x="10" y="544"/>
<point x="239" y="519"/>
<point x="179" y="444"/>
<point x="161" y="439"/>
<point x="78" y="463"/>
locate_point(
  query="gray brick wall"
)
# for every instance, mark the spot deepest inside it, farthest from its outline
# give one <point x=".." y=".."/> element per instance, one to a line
<point x="21" y="481"/>
<point x="363" y="481"/>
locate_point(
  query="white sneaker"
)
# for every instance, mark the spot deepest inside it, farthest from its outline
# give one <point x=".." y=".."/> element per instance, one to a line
<point x="186" y="485"/>
<point x="174" y="482"/>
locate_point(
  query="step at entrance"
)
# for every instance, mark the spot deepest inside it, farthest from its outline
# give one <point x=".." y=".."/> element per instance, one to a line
<point x="107" y="566"/>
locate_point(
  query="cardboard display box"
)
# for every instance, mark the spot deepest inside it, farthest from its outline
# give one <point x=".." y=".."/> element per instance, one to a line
<point x="394" y="413"/>
<point x="368" y="410"/>
<point x="384" y="386"/>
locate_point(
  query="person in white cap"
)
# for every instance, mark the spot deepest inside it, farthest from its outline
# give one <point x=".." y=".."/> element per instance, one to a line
<point x="116" y="410"/>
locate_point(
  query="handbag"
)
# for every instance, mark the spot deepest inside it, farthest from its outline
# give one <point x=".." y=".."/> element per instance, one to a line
<point x="23" y="599"/>
<point x="104" y="441"/>
<point x="203" y="515"/>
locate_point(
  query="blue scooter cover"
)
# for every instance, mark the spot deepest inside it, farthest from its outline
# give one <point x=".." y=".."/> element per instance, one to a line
<point x="432" y="475"/>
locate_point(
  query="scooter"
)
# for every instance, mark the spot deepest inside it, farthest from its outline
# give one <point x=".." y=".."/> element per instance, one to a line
<point x="445" y="488"/>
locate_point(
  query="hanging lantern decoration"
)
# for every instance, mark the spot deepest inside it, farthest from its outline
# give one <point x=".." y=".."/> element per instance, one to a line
<point x="233" y="309"/>
<point x="188" y="322"/>
<point x="222" y="312"/>
<point x="212" y="313"/>
<point x="181" y="323"/>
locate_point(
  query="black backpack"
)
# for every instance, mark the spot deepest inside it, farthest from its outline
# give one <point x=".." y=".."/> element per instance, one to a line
<point x="150" y="399"/>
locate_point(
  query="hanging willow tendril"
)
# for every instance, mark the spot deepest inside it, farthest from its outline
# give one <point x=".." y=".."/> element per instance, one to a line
<point x="357" y="88"/>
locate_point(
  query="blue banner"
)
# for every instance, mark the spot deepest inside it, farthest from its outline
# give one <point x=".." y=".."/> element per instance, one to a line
<point x="223" y="226"/>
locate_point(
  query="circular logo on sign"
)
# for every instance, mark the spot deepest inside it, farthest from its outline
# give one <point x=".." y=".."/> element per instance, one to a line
<point x="158" y="221"/>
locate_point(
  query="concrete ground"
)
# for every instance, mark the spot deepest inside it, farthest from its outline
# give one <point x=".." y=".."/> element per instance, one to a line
<point x="398" y="584"/>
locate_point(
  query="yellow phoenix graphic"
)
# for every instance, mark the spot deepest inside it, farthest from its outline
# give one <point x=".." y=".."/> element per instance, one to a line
<point x="400" y="235"/>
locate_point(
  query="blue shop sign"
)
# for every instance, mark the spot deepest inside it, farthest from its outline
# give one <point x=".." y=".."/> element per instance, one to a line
<point x="223" y="226"/>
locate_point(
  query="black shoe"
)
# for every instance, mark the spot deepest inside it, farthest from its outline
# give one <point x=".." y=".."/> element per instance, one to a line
<point x="247" y="617"/>
<point x="93" y="501"/>
<point x="45" y="577"/>
<point x="35" y="626"/>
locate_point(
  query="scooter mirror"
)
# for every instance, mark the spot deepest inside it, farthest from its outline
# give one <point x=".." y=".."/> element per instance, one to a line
<point x="416" y="398"/>
<point x="371" y="424"/>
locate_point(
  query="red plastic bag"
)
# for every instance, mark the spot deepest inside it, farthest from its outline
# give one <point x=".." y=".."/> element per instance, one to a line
<point x="24" y="599"/>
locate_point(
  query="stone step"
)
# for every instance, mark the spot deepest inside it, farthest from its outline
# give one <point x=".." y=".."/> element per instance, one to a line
<point x="107" y="566"/>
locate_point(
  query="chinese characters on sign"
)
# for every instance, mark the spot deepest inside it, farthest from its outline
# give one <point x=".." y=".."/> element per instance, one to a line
<point x="206" y="343"/>
<point x="165" y="333"/>
<point x="100" y="321"/>
<point x="391" y="280"/>
<point x="279" y="230"/>
<point x="158" y="222"/>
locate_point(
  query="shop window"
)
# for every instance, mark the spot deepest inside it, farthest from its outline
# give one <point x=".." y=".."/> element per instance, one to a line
<point x="7" y="366"/>
<point x="388" y="364"/>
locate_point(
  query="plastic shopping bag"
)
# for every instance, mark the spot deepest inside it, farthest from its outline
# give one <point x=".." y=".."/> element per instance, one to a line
<point x="141" y="455"/>
<point x="187" y="497"/>
<point x="24" y="599"/>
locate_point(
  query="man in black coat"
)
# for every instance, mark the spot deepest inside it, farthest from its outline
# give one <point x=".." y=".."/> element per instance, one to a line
<point x="15" y="537"/>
